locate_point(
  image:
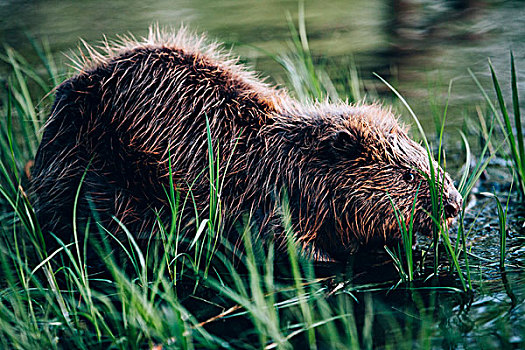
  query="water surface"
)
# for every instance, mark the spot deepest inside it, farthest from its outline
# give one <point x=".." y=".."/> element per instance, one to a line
<point x="419" y="46"/>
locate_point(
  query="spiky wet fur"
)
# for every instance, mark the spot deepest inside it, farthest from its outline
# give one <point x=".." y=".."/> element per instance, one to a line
<point x="136" y="103"/>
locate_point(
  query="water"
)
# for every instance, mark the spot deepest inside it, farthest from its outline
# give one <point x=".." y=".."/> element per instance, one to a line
<point x="419" y="46"/>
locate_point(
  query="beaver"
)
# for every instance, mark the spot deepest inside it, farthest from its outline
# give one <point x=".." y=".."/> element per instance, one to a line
<point x="143" y="114"/>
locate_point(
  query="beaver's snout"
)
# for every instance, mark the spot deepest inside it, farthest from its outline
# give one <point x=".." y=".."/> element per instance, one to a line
<point x="453" y="204"/>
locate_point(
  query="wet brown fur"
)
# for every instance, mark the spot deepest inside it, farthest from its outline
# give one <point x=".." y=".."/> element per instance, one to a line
<point x="136" y="105"/>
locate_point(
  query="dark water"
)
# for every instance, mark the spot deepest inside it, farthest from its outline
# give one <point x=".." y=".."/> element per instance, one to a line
<point x="419" y="46"/>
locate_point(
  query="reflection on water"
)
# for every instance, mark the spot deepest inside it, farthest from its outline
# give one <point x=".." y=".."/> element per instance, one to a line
<point x="418" y="44"/>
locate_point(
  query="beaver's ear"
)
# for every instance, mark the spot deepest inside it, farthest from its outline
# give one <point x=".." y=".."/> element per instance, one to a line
<point x="346" y="144"/>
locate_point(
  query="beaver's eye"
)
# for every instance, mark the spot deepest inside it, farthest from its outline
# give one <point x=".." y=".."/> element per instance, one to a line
<point x="409" y="177"/>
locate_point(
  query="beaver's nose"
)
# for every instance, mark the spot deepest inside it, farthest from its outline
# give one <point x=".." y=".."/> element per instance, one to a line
<point x="453" y="204"/>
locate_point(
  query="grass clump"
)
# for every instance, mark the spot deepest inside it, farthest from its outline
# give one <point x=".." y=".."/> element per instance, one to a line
<point x="502" y="220"/>
<point x="513" y="134"/>
<point x="407" y="236"/>
<point x="514" y="139"/>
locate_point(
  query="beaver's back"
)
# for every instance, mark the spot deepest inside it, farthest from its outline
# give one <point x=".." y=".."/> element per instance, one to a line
<point x="115" y="126"/>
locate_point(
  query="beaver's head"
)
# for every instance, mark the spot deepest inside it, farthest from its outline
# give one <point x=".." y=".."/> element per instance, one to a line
<point x="354" y="164"/>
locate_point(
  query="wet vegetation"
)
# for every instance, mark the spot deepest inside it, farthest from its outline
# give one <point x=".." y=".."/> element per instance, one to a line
<point x="462" y="288"/>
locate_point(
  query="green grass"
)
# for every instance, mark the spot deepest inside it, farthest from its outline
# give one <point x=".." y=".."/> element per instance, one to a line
<point x="179" y="298"/>
<point x="502" y="220"/>
<point x="407" y="237"/>
<point x="513" y="139"/>
<point x="515" y="142"/>
<point x="309" y="80"/>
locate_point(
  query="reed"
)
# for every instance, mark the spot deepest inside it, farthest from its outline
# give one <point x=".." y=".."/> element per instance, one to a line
<point x="513" y="133"/>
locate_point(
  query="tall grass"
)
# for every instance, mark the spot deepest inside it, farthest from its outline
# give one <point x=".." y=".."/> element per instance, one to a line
<point x="515" y="142"/>
<point x="308" y="79"/>
<point x="502" y="220"/>
<point x="407" y="237"/>
<point x="513" y="139"/>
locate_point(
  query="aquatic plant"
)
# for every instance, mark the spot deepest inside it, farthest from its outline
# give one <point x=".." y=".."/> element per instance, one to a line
<point x="502" y="220"/>
<point x="513" y="139"/>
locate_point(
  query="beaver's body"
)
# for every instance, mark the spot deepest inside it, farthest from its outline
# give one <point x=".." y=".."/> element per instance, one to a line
<point x="132" y="114"/>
